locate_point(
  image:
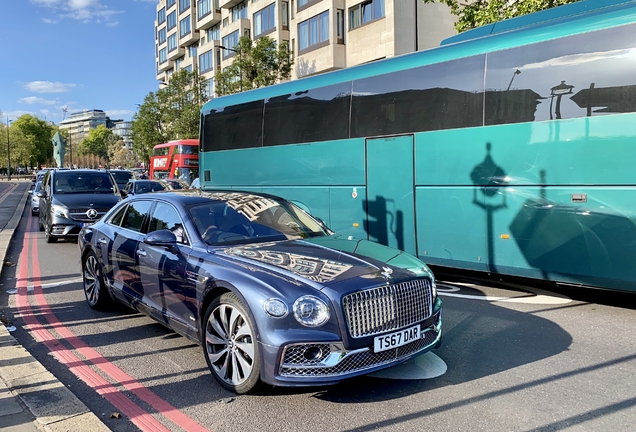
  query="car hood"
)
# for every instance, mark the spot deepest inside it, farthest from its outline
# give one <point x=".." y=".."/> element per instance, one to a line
<point x="324" y="261"/>
<point x="96" y="200"/>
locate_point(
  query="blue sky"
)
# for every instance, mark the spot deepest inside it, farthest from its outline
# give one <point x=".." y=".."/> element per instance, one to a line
<point x="76" y="54"/>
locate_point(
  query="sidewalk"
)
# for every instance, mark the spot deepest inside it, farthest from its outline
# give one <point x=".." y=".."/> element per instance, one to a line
<point x="31" y="398"/>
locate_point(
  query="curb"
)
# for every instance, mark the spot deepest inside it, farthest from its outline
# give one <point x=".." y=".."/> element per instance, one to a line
<point x="54" y="406"/>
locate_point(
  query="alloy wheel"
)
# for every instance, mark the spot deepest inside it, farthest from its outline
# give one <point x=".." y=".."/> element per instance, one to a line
<point x="229" y="344"/>
<point x="91" y="280"/>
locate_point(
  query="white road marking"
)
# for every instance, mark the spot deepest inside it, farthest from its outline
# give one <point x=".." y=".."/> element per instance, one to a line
<point x="422" y="367"/>
<point x="539" y="296"/>
<point x="56" y="284"/>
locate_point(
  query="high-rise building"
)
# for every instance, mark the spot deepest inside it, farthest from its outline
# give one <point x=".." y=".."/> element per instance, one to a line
<point x="122" y="129"/>
<point x="80" y="123"/>
<point x="323" y="35"/>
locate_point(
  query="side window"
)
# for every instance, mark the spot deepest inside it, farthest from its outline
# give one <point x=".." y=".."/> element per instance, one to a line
<point x="118" y="217"/>
<point x="166" y="217"/>
<point x="134" y="218"/>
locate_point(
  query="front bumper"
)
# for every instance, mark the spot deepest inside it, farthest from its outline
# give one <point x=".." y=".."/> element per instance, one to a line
<point x="64" y="227"/>
<point x="288" y="365"/>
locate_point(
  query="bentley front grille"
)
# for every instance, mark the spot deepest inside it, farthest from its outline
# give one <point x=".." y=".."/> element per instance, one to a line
<point x="387" y="308"/>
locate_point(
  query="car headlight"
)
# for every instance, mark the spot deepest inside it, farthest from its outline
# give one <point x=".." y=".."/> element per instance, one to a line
<point x="311" y="311"/>
<point x="60" y="211"/>
<point x="275" y="308"/>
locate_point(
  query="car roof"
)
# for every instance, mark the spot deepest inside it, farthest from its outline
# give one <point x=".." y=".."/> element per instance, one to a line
<point x="187" y="197"/>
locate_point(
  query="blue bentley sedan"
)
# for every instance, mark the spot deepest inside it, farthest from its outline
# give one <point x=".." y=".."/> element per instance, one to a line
<point x="271" y="294"/>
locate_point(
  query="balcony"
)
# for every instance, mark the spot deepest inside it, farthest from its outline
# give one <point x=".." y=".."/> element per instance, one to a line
<point x="209" y="20"/>
<point x="228" y="4"/>
<point x="189" y="38"/>
<point x="175" y="54"/>
<point x="165" y="66"/>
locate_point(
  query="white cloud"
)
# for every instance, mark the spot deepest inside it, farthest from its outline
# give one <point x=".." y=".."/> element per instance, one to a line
<point x="36" y="100"/>
<point x="48" y="87"/>
<point x="85" y="11"/>
<point x="15" y="114"/>
<point x="118" y="113"/>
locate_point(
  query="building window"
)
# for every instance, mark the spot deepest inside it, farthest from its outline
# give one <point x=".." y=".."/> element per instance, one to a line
<point x="365" y="12"/>
<point x="170" y="3"/>
<point x="184" y="26"/>
<point x="163" y="55"/>
<point x="313" y="32"/>
<point x="172" y="20"/>
<point x="161" y="16"/>
<point x="205" y="62"/>
<point x="340" y="25"/>
<point x="203" y="8"/>
<point x="193" y="50"/>
<point x="188" y="68"/>
<point x="162" y="35"/>
<point x="230" y="41"/>
<point x="284" y="15"/>
<point x="172" y="42"/>
<point x="209" y="88"/>
<point x="264" y="20"/>
<point x="177" y="63"/>
<point x="214" y="32"/>
<point x="183" y="5"/>
<point x="239" y="11"/>
<point x="226" y="22"/>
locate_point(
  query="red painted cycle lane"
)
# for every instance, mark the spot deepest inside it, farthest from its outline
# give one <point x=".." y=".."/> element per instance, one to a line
<point x="118" y="375"/>
<point x="142" y="419"/>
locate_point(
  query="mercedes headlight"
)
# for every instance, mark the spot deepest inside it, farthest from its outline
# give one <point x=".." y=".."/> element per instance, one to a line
<point x="311" y="311"/>
<point x="60" y="211"/>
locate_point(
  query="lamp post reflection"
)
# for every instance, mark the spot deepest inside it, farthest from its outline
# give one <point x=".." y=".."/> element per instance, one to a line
<point x="240" y="70"/>
<point x="8" y="151"/>
<point x="558" y="91"/>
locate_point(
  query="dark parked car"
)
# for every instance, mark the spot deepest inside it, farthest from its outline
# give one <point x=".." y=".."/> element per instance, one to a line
<point x="121" y="177"/>
<point x="136" y="187"/>
<point x="177" y="184"/>
<point x="270" y="293"/>
<point x="70" y="199"/>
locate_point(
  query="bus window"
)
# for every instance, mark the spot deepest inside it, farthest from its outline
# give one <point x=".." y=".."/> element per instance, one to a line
<point x="438" y="96"/>
<point x="238" y="126"/>
<point x="188" y="149"/>
<point x="161" y="151"/>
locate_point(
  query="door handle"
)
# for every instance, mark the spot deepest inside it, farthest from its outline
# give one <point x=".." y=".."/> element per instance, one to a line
<point x="141" y="252"/>
<point x="103" y="241"/>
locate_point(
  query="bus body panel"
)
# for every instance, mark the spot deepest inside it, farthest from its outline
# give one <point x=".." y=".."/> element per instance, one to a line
<point x="291" y="165"/>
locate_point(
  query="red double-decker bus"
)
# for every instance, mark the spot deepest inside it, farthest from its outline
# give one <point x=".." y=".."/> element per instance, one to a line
<point x="175" y="160"/>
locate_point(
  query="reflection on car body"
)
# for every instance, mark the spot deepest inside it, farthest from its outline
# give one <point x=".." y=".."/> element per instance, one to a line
<point x="270" y="293"/>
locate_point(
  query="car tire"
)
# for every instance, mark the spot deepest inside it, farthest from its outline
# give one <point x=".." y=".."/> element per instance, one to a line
<point x="234" y="359"/>
<point x="47" y="235"/>
<point x="95" y="289"/>
<point x="33" y="213"/>
<point x="40" y="224"/>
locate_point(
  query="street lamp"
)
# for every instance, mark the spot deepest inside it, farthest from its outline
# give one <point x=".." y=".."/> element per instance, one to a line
<point x="8" y="151"/>
<point x="514" y="74"/>
<point x="240" y="70"/>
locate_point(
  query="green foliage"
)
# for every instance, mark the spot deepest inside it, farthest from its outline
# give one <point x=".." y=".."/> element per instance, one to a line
<point x="255" y="64"/>
<point x="31" y="144"/>
<point x="98" y="141"/>
<point x="481" y="12"/>
<point x="170" y="113"/>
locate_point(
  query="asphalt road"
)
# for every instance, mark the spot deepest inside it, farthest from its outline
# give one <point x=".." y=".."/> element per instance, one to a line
<point x="511" y="361"/>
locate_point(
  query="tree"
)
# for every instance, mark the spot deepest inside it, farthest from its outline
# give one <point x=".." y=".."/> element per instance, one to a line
<point x="256" y="64"/>
<point x="481" y="12"/>
<point x="170" y="113"/>
<point x="33" y="141"/>
<point x="98" y="141"/>
<point x="123" y="157"/>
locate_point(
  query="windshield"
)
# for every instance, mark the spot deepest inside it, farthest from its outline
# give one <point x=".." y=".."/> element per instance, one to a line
<point x="149" y="186"/>
<point x="122" y="176"/>
<point x="188" y="149"/>
<point x="251" y="219"/>
<point x="70" y="182"/>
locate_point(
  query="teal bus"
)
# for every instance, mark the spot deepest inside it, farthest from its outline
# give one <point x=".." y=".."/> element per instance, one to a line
<point x="508" y="150"/>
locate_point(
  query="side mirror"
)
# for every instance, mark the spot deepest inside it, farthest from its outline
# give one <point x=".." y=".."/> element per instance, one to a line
<point x="41" y="194"/>
<point x="30" y="192"/>
<point x="162" y="238"/>
<point x="123" y="193"/>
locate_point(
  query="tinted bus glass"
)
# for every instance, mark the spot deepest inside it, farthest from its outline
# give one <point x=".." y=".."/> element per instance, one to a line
<point x="312" y="115"/>
<point x="161" y="151"/>
<point x="188" y="149"/>
<point x="575" y="76"/>
<point x="439" y="96"/>
<point x="234" y="127"/>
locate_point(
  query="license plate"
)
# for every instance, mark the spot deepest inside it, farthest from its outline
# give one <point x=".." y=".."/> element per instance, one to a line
<point x="396" y="339"/>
